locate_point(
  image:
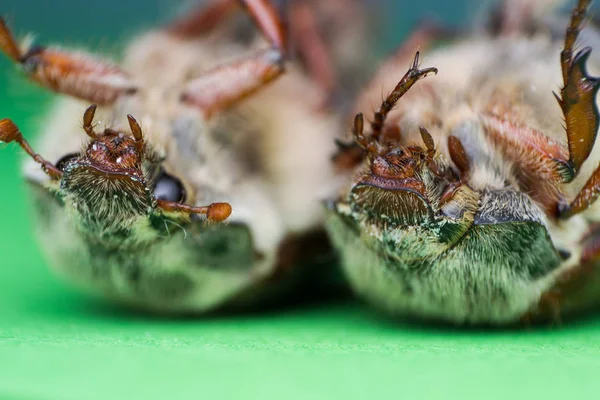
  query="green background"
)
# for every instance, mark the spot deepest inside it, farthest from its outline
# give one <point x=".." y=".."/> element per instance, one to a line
<point x="58" y="344"/>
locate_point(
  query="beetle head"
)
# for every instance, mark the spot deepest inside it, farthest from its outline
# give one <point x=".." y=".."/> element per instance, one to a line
<point x="116" y="189"/>
<point x="393" y="188"/>
<point x="109" y="185"/>
<point x="407" y="194"/>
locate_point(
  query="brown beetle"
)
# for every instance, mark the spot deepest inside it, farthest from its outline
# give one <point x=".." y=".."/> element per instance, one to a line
<point x="472" y="193"/>
<point x="126" y="216"/>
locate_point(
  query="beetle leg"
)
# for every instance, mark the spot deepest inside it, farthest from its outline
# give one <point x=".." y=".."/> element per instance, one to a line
<point x="370" y="142"/>
<point x="578" y="102"/>
<point x="413" y="75"/>
<point x="9" y="132"/>
<point x="423" y="37"/>
<point x="203" y="19"/>
<point x="265" y="16"/>
<point x="586" y="196"/>
<point x="303" y="27"/>
<point x="578" y="95"/>
<point x="8" y="44"/>
<point x="225" y="85"/>
<point x="311" y="46"/>
<point x="75" y="74"/>
<point x="206" y="18"/>
<point x="512" y="17"/>
<point x="420" y="39"/>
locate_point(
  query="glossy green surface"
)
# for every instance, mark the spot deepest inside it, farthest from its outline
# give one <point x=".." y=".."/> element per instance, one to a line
<point x="58" y="344"/>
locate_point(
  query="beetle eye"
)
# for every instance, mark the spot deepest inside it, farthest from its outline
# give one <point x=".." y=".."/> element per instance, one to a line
<point x="169" y="188"/>
<point x="62" y="163"/>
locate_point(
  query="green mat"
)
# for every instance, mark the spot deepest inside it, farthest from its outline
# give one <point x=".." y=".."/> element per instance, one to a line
<point x="58" y="344"/>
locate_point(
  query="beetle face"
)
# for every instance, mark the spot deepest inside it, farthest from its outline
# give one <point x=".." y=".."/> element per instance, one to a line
<point x="107" y="189"/>
<point x="115" y="192"/>
<point x="418" y="242"/>
<point x="407" y="197"/>
<point x="394" y="189"/>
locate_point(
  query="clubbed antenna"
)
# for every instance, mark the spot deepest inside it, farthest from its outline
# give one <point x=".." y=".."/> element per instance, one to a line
<point x="215" y="212"/>
<point x="9" y="132"/>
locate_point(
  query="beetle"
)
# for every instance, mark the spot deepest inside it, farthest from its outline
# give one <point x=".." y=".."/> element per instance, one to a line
<point x="187" y="196"/>
<point x="470" y="200"/>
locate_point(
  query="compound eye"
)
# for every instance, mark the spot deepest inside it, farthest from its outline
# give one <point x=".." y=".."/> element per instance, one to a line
<point x="62" y="163"/>
<point x="169" y="188"/>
